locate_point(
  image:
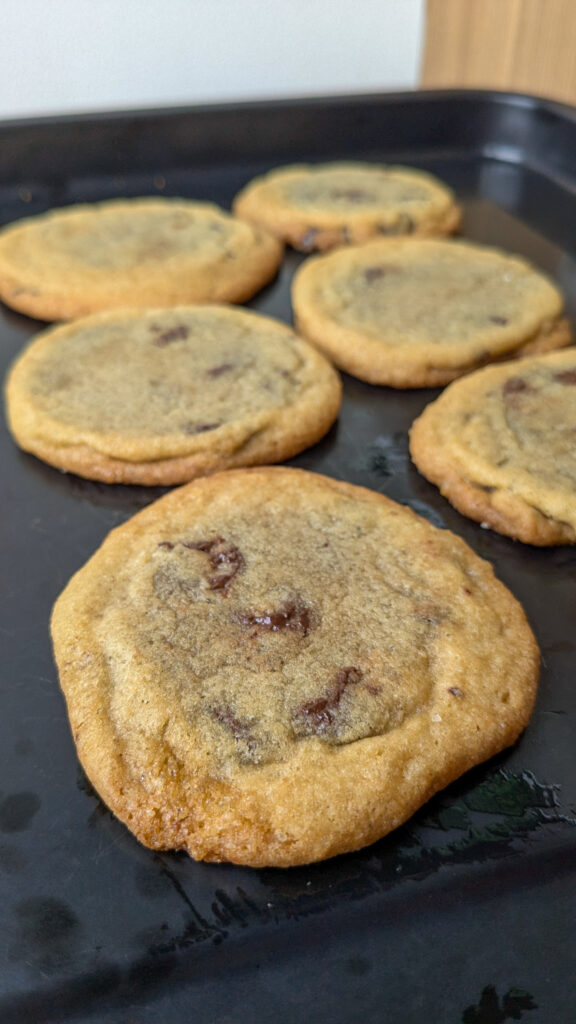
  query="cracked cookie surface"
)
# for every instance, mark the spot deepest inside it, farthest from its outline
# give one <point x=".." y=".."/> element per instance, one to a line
<point x="422" y="312"/>
<point x="271" y="667"/>
<point x="500" y="446"/>
<point x="162" y="396"/>
<point x="84" y="259"/>
<point x="323" y="206"/>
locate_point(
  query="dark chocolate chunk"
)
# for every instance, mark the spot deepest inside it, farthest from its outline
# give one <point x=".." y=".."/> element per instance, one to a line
<point x="287" y="375"/>
<point x="217" y="371"/>
<point x="373" y="274"/>
<point x="173" y="334"/>
<point x="240" y="729"/>
<point x="316" y="717"/>
<point x="514" y="385"/>
<point x="455" y="691"/>
<point x="224" y="557"/>
<point x="566" y="377"/>
<point x="292" y="616"/>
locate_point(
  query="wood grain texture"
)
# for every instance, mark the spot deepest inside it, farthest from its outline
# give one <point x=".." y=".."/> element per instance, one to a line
<point x="518" y="45"/>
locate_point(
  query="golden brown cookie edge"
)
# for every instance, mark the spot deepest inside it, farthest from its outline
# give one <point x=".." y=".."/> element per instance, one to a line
<point x="506" y="513"/>
<point x="254" y="845"/>
<point x="189" y="281"/>
<point x="292" y="429"/>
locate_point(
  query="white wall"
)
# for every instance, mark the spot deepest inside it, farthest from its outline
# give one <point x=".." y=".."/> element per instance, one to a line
<point x="59" y="56"/>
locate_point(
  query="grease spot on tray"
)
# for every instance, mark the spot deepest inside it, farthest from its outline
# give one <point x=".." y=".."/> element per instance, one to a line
<point x="495" y="1010"/>
<point x="389" y="456"/>
<point x="17" y="811"/>
<point x="23" y="746"/>
<point x="12" y="860"/>
<point x="46" y="934"/>
<point x="358" y="966"/>
<point x="152" y="884"/>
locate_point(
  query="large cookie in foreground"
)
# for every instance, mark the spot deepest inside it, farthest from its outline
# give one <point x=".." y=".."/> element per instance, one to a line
<point x="271" y="667"/>
<point x="421" y="312"/>
<point x="323" y="206"/>
<point x="131" y="252"/>
<point x="165" y="395"/>
<point x="501" y="446"/>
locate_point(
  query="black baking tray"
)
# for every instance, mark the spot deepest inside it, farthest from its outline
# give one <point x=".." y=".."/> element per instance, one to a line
<point x="466" y="913"/>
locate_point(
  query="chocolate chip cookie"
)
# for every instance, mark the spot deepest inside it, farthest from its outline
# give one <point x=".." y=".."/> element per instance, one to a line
<point x="132" y="252"/>
<point x="164" y="395"/>
<point x="500" y="446"/>
<point x="271" y="667"/>
<point x="319" y="207"/>
<point x="421" y="312"/>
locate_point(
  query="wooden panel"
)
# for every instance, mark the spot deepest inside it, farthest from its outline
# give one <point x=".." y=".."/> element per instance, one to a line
<point x="521" y="45"/>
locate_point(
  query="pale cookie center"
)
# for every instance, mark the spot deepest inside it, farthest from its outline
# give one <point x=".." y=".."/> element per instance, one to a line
<point x="529" y="424"/>
<point x="122" y="241"/>
<point x="355" y="190"/>
<point x="435" y="300"/>
<point x="167" y="375"/>
<point x="282" y="634"/>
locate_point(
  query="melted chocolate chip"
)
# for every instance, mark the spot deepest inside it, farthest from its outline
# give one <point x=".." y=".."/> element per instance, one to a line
<point x="224" y="557"/>
<point x="241" y="730"/>
<point x="376" y="273"/>
<point x="373" y="274"/>
<point x="287" y="375"/>
<point x="290" y="616"/>
<point x="500" y="320"/>
<point x="316" y="717"/>
<point x="167" y="337"/>
<point x="226" y="716"/>
<point x="217" y="371"/>
<point x="566" y="377"/>
<point x="514" y="385"/>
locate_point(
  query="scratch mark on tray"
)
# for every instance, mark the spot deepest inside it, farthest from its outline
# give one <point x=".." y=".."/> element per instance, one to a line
<point x="199" y="928"/>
